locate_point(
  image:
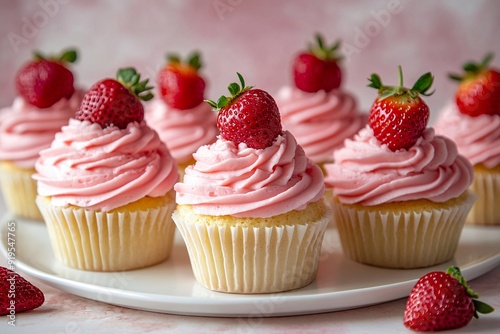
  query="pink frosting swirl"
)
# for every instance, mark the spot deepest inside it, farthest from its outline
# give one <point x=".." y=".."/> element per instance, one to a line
<point x="183" y="131"/>
<point x="245" y="182"/>
<point x="25" y="130"/>
<point x="477" y="138"/>
<point x="97" y="168"/>
<point x="320" y="121"/>
<point x="368" y="173"/>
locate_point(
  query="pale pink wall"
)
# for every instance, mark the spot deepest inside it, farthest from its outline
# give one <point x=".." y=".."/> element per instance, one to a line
<point x="256" y="38"/>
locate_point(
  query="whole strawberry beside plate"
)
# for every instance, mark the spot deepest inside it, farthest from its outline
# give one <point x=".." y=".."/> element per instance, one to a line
<point x="442" y="301"/>
<point x="17" y="294"/>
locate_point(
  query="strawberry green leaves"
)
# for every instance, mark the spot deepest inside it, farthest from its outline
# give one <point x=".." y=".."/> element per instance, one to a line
<point x="479" y="306"/>
<point x="421" y="86"/>
<point x="234" y="89"/>
<point x="323" y="51"/>
<point x="193" y="60"/>
<point x="129" y="78"/>
<point x="473" y="68"/>
<point x="66" y="56"/>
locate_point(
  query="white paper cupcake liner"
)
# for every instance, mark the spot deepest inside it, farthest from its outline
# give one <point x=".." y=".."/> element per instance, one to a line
<point x="109" y="241"/>
<point x="19" y="191"/>
<point x="486" y="210"/>
<point x="328" y="198"/>
<point x="401" y="239"/>
<point x="238" y="259"/>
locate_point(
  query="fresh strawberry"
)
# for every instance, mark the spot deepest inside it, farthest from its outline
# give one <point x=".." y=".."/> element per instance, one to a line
<point x="249" y="116"/>
<point x="181" y="86"/>
<point x="317" y="68"/>
<point x="43" y="82"/>
<point x="17" y="294"/>
<point x="441" y="301"/>
<point x="116" y="102"/>
<point x="399" y="116"/>
<point x="479" y="89"/>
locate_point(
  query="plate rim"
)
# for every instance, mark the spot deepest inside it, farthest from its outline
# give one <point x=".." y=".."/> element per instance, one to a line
<point x="172" y="304"/>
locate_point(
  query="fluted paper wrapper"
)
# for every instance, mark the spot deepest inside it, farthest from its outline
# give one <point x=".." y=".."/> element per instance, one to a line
<point x="486" y="210"/>
<point x="401" y="239"/>
<point x="109" y="241"/>
<point x="236" y="259"/>
<point x="19" y="191"/>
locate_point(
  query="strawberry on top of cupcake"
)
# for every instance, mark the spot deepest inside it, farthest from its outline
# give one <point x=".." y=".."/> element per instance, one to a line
<point x="46" y="100"/>
<point x="478" y="92"/>
<point x="396" y="157"/>
<point x="316" y="109"/>
<point x="472" y="120"/>
<point x="181" y="118"/>
<point x="254" y="168"/>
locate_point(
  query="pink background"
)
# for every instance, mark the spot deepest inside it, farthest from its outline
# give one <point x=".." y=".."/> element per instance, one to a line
<point x="256" y="38"/>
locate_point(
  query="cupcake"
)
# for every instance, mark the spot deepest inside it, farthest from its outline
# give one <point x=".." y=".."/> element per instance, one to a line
<point x="316" y="109"/>
<point x="473" y="122"/>
<point x="181" y="118"/>
<point x="400" y="192"/>
<point x="250" y="210"/>
<point x="46" y="101"/>
<point x="105" y="185"/>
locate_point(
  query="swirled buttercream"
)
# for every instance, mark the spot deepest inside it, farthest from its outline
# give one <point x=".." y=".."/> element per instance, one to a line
<point x="229" y="179"/>
<point x="25" y="130"/>
<point x="97" y="168"/>
<point x="319" y="121"/>
<point x="183" y="131"/>
<point x="477" y="138"/>
<point x="368" y="173"/>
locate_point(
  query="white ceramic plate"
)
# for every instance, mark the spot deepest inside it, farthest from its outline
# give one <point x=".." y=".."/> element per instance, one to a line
<point x="171" y="288"/>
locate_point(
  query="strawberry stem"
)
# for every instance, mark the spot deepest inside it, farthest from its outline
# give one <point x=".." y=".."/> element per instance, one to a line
<point x="194" y="60"/>
<point x="131" y="80"/>
<point x="400" y="73"/>
<point x="479" y="306"/>
<point x="323" y="51"/>
<point x="235" y="90"/>
<point x="421" y="86"/>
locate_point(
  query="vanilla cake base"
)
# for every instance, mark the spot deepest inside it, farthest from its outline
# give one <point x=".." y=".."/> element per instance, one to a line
<point x="19" y="190"/>
<point x="133" y="236"/>
<point x="404" y="235"/>
<point x="486" y="185"/>
<point x="254" y="255"/>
